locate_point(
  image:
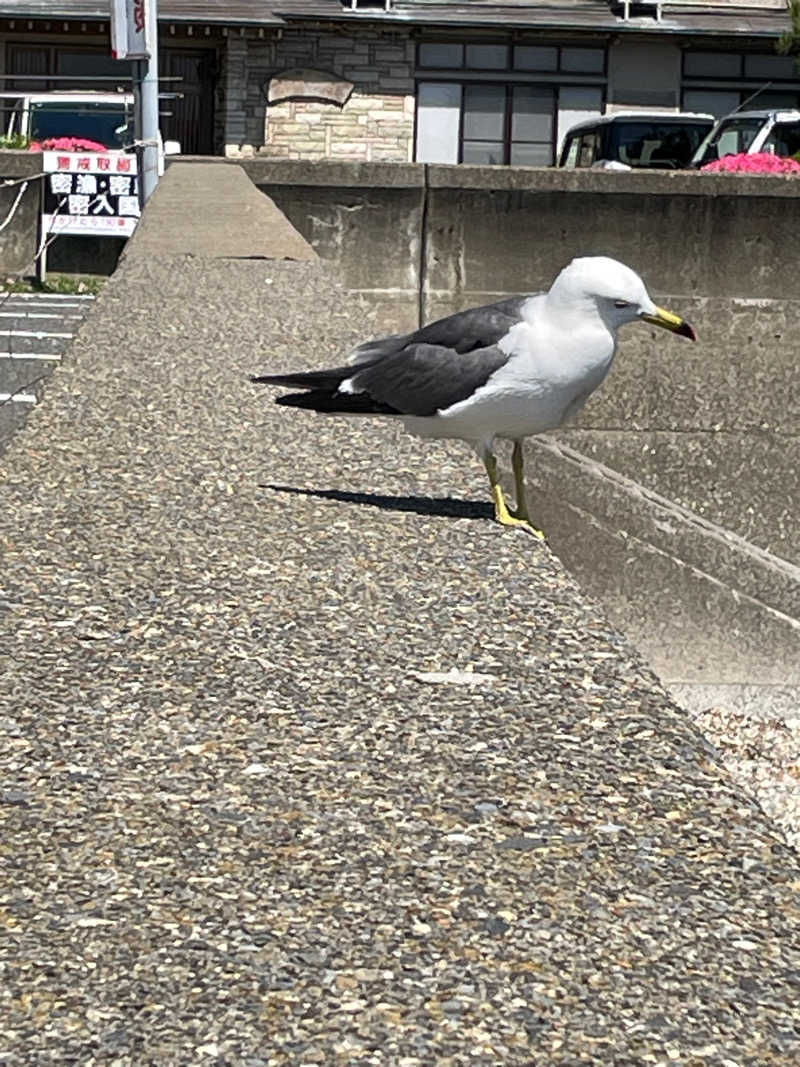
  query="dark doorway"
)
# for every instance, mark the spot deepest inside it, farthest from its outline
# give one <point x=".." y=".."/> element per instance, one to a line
<point x="190" y="118"/>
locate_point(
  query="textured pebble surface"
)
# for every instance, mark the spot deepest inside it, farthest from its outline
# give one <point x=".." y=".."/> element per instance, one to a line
<point x="255" y="809"/>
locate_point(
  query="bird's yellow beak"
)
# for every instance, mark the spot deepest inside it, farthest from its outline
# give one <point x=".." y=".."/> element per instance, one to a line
<point x="671" y="322"/>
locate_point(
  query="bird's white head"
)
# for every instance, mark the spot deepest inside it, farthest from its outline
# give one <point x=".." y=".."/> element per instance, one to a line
<point x="618" y="294"/>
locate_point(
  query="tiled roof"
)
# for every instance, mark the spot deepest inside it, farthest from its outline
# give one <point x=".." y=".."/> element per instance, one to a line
<point x="230" y="13"/>
<point x="725" y="17"/>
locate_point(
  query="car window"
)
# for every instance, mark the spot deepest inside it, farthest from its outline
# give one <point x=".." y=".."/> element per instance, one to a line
<point x="106" y="123"/>
<point x="730" y="139"/>
<point x="666" y="146"/>
<point x="588" y="151"/>
<point x="783" y="139"/>
<point x="570" y="154"/>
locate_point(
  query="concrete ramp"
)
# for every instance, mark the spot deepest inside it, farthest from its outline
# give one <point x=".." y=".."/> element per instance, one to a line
<point x="214" y="210"/>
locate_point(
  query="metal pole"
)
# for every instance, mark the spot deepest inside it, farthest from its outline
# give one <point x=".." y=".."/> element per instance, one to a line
<point x="148" y="177"/>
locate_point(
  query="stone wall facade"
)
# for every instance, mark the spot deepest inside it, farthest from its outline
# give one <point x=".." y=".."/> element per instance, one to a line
<point x="376" y="123"/>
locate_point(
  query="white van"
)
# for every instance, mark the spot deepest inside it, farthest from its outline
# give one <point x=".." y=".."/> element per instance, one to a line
<point x="654" y="140"/>
<point x="749" y="132"/>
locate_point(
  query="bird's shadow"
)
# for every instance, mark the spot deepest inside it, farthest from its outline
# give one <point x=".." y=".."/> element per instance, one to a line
<point x="444" y="506"/>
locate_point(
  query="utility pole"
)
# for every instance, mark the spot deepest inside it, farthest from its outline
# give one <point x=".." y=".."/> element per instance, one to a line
<point x="147" y="132"/>
<point x="134" y="36"/>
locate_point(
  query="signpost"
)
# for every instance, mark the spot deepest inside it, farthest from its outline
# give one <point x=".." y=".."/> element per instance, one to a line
<point x="132" y="31"/>
<point x="134" y="36"/>
<point x="103" y="193"/>
<point x="91" y="193"/>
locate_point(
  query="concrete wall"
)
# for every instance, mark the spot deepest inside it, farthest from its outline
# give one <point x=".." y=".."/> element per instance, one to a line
<point x="464" y="234"/>
<point x="367" y="218"/>
<point x="18" y="237"/>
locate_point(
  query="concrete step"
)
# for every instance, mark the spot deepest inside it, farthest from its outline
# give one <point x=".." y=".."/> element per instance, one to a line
<point x="702" y="603"/>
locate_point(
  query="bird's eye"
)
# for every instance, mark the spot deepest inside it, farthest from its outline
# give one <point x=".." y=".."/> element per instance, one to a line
<point x="621" y="304"/>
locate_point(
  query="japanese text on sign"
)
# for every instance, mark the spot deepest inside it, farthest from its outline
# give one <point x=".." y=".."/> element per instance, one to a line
<point x="90" y="193"/>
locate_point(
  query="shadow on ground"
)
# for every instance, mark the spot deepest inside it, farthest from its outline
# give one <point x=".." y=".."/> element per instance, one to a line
<point x="446" y="507"/>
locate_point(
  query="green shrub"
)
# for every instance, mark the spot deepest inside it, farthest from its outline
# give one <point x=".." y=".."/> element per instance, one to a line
<point x="14" y="140"/>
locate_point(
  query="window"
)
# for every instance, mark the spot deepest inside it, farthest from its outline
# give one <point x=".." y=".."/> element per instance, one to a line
<point x="110" y="124"/>
<point x="487" y="56"/>
<point x="503" y="104"/>
<point x="583" y="60"/>
<point x="479" y="55"/>
<point x="732" y="138"/>
<point x="577" y="103"/>
<point x="711" y="65"/>
<point x="721" y="82"/>
<point x="588" y="149"/>
<point x="497" y="124"/>
<point x="528" y="57"/>
<point x="484" y="124"/>
<point x="438" y="120"/>
<point x="441" y="55"/>
<point x="770" y="67"/>
<point x="783" y="139"/>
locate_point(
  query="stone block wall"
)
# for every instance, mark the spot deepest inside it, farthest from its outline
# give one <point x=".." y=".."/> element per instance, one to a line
<point x="375" y="124"/>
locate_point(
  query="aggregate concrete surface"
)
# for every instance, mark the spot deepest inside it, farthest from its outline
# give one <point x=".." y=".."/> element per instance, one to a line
<point x="306" y="761"/>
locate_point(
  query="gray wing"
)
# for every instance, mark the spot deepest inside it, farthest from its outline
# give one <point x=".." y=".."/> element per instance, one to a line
<point x="463" y="332"/>
<point x="423" y="378"/>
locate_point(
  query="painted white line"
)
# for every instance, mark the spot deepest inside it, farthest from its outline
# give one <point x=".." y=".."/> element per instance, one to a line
<point x="23" y="309"/>
<point x="33" y="333"/>
<point x="17" y="398"/>
<point x="37" y="315"/>
<point x="45" y="296"/>
<point x="53" y="357"/>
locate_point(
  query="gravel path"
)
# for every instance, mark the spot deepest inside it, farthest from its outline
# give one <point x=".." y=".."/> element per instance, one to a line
<point x="255" y="809"/>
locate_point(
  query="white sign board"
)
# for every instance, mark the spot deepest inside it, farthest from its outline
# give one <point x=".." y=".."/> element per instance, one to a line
<point x="90" y="193"/>
<point x="133" y="29"/>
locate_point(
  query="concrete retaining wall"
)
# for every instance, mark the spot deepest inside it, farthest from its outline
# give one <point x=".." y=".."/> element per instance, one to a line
<point x="463" y="234"/>
<point x="18" y="237"/>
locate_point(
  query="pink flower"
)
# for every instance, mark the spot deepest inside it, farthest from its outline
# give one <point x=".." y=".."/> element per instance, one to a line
<point x="67" y="144"/>
<point x="757" y="163"/>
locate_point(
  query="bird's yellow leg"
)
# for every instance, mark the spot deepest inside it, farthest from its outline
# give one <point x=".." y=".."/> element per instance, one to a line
<point x="517" y="460"/>
<point x="501" y="512"/>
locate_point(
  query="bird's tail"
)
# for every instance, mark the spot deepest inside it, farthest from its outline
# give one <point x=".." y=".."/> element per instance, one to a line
<point x="329" y="403"/>
<point x="324" y="380"/>
<point x="321" y="392"/>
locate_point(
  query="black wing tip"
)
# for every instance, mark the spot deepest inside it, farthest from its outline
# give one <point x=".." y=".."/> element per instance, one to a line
<point x="327" y="403"/>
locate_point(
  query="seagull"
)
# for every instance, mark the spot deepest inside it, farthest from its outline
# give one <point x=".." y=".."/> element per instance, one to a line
<point x="508" y="370"/>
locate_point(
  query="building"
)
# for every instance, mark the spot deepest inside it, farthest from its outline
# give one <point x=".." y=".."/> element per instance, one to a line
<point x="414" y="79"/>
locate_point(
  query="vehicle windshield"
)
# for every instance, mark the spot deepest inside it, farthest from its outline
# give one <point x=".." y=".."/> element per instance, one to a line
<point x="730" y="138"/>
<point x="783" y="139"/>
<point x="659" y="145"/>
<point x="104" y="121"/>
